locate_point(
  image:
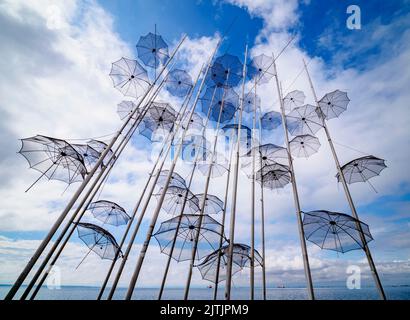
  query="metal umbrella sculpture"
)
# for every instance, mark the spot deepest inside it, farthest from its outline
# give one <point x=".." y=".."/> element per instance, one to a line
<point x="98" y="240"/>
<point x="125" y="109"/>
<point x="193" y="146"/>
<point x="109" y="212"/>
<point x="178" y="83"/>
<point x="304" y="145"/>
<point x="90" y="155"/>
<point x="293" y="99"/>
<point x="213" y="99"/>
<point x="241" y="259"/>
<point x="213" y="205"/>
<point x="362" y="169"/>
<point x="129" y="77"/>
<point x="229" y="69"/>
<point x="271" y="120"/>
<point x="54" y="158"/>
<point x="261" y="69"/>
<point x="175" y="181"/>
<point x="188" y="227"/>
<point x="335" y="231"/>
<point x="274" y="176"/>
<point x="266" y="154"/>
<point x="333" y="104"/>
<point x="251" y="101"/>
<point x="174" y="200"/>
<point x="100" y="147"/>
<point x="152" y="50"/>
<point x="303" y="120"/>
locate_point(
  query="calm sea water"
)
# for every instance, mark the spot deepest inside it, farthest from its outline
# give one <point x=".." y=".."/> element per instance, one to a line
<point x="90" y="293"/>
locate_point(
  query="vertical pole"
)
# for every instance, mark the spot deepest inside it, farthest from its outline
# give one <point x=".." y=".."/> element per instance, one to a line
<point x="81" y="188"/>
<point x="295" y="192"/>
<point x="252" y="273"/>
<point x="151" y="227"/>
<point x="235" y="189"/>
<point x="348" y="195"/>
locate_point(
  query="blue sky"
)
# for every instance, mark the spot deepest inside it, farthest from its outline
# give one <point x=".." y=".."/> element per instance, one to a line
<point x="368" y="63"/>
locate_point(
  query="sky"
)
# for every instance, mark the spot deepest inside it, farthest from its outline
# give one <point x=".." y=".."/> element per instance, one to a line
<point x="55" y="61"/>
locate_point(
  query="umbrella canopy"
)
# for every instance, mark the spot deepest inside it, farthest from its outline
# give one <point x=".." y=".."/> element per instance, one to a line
<point x="251" y="102"/>
<point x="55" y="159"/>
<point x="273" y="176"/>
<point x="241" y="257"/>
<point x="218" y="162"/>
<point x="210" y="232"/>
<point x="152" y="50"/>
<point x="362" y="169"/>
<point x="100" y="147"/>
<point x="129" y="77"/>
<point x="229" y="69"/>
<point x="231" y="131"/>
<point x="303" y="120"/>
<point x="160" y="115"/>
<point x="174" y="200"/>
<point x="266" y="154"/>
<point x="98" y="240"/>
<point x="125" y="109"/>
<point x="333" y="104"/>
<point x="293" y="100"/>
<point x="195" y="123"/>
<point x="261" y="69"/>
<point x="109" y="212"/>
<point x="304" y="145"/>
<point x="178" y="83"/>
<point x="213" y="204"/>
<point x="271" y="120"/>
<point x="89" y="155"/>
<point x="176" y="179"/>
<point x="335" y="231"/>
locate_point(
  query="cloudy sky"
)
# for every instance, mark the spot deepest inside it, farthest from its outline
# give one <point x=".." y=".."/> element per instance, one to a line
<point x="55" y="61"/>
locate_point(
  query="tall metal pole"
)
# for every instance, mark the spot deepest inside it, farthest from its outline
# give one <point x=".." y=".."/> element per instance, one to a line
<point x="295" y="191"/>
<point x="262" y="215"/>
<point x="372" y="265"/>
<point x="151" y="227"/>
<point x="81" y="188"/>
<point x="204" y="196"/>
<point x="171" y="251"/>
<point x="252" y="266"/>
<point x="97" y="183"/>
<point x="235" y="188"/>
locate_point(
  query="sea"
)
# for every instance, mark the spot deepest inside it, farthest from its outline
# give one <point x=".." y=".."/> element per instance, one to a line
<point x="327" y="293"/>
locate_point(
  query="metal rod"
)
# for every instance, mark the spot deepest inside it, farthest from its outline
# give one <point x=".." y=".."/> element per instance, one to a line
<point x="235" y="188"/>
<point x="305" y="257"/>
<point x="372" y="265"/>
<point x="144" y="248"/>
<point x="81" y="188"/>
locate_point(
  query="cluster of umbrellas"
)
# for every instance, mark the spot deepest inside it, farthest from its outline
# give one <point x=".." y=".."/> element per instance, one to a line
<point x="194" y="230"/>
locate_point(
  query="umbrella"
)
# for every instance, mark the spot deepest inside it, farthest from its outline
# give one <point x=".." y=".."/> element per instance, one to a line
<point x="125" y="109"/>
<point x="213" y="98"/>
<point x="109" y="212"/>
<point x="231" y="130"/>
<point x="152" y="50"/>
<point x="213" y="204"/>
<point x="303" y="120"/>
<point x="100" y="147"/>
<point x="230" y="68"/>
<point x="217" y="161"/>
<point x="216" y="76"/>
<point x="187" y="227"/>
<point x="241" y="257"/>
<point x="178" y="83"/>
<point x="160" y="116"/>
<point x="192" y="145"/>
<point x="176" y="179"/>
<point x="261" y="69"/>
<point x="265" y="154"/>
<point x="89" y="155"/>
<point x="273" y="176"/>
<point x="293" y="100"/>
<point x="333" y="104"/>
<point x="362" y="169"/>
<point x="335" y="231"/>
<point x="304" y="145"/>
<point x="271" y="120"/>
<point x="174" y="200"/>
<point x="251" y="102"/>
<point x="195" y="123"/>
<point x="129" y="77"/>
<point x="98" y="240"/>
<point x="54" y="158"/>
